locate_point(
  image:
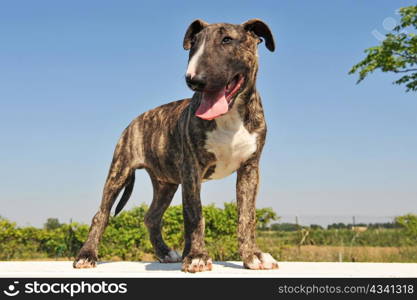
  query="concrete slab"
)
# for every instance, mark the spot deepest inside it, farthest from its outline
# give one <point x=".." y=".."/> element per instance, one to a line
<point x="220" y="269"/>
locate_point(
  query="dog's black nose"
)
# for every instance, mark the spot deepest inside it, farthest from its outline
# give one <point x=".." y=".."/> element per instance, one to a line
<point x="196" y="83"/>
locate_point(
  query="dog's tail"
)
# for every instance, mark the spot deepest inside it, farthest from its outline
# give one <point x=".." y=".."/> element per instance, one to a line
<point x="130" y="182"/>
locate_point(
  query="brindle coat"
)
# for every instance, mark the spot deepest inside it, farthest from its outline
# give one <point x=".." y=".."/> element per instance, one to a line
<point x="170" y="143"/>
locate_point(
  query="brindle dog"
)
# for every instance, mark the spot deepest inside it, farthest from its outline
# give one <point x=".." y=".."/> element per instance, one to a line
<point x="220" y="130"/>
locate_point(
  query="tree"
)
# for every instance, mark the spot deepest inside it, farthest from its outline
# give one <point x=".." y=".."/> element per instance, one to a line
<point x="337" y="226"/>
<point x="264" y="216"/>
<point x="316" y="227"/>
<point x="397" y="52"/>
<point x="52" y="224"/>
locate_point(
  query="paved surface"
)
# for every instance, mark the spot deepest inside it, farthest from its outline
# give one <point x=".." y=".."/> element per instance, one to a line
<point x="220" y="269"/>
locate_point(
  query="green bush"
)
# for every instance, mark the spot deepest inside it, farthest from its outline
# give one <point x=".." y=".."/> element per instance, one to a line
<point x="409" y="224"/>
<point x="126" y="236"/>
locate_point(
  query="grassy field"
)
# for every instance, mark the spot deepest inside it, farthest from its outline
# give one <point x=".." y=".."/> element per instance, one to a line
<point x="344" y="246"/>
<point x="348" y="254"/>
<point x="309" y="253"/>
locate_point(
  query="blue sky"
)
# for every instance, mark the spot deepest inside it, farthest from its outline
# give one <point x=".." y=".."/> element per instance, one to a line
<point x="73" y="74"/>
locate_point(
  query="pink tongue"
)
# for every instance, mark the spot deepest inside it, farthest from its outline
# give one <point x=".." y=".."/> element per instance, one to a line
<point x="213" y="104"/>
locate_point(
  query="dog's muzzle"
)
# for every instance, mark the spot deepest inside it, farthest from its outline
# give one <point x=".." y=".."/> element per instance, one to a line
<point x="195" y="83"/>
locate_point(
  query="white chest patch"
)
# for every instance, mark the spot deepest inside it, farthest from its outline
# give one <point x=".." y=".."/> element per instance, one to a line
<point x="231" y="143"/>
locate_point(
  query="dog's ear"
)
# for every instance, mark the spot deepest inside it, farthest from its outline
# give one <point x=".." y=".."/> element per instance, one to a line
<point x="262" y="30"/>
<point x="194" y="28"/>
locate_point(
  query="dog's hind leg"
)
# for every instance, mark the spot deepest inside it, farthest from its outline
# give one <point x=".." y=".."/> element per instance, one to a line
<point x="120" y="176"/>
<point x="163" y="193"/>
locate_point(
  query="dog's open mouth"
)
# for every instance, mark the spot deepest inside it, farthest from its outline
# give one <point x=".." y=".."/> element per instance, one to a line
<point x="216" y="103"/>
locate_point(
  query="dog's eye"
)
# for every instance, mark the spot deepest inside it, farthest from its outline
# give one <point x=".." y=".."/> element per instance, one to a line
<point x="227" y="40"/>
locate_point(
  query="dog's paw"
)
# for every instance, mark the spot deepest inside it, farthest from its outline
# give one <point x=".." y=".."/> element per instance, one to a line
<point x="85" y="259"/>
<point x="171" y="257"/>
<point x="260" y="261"/>
<point x="197" y="263"/>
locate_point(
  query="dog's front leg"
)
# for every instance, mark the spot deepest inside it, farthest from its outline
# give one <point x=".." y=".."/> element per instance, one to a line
<point x="195" y="257"/>
<point x="246" y="191"/>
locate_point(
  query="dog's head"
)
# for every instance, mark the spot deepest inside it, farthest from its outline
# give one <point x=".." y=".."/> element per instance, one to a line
<point x="223" y="60"/>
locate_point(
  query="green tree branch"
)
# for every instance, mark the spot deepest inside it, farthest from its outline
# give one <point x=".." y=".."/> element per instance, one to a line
<point x="397" y="53"/>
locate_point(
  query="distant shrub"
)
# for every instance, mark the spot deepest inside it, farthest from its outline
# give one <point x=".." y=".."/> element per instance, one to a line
<point x="409" y="223"/>
<point x="338" y="226"/>
<point x="285" y="227"/>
